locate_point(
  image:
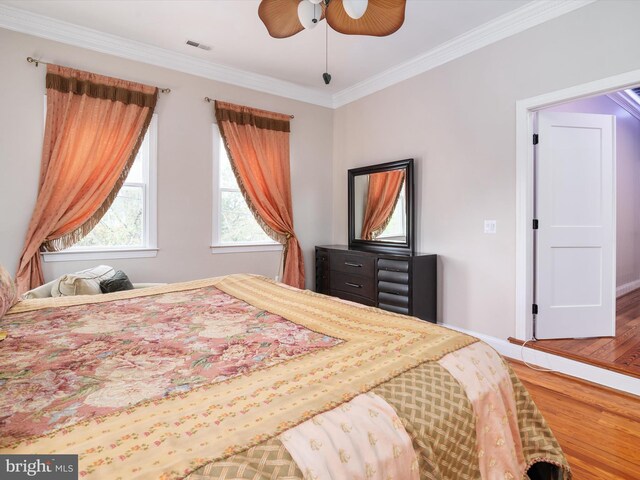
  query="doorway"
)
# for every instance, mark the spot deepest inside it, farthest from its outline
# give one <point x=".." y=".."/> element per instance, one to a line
<point x="612" y="98"/>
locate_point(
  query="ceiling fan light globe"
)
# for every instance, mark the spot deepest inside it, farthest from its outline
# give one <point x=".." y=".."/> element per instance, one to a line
<point x="355" y="8"/>
<point x="309" y="14"/>
<point x="315" y="1"/>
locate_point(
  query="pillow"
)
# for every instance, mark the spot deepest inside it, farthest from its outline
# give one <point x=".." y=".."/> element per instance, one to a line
<point x="43" y="291"/>
<point x="85" y="282"/>
<point x="117" y="283"/>
<point x="8" y="291"/>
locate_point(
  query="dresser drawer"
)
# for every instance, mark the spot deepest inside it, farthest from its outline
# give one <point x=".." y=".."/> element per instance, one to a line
<point x="322" y="271"/>
<point x="393" y="265"/>
<point x="352" y="263"/>
<point x="391" y="299"/>
<point x="394" y="288"/>
<point x="394" y="308"/>
<point x="393" y="277"/>
<point x="353" y="298"/>
<point x="354" y="284"/>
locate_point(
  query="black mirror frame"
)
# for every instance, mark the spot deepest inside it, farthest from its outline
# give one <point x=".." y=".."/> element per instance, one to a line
<point x="406" y="248"/>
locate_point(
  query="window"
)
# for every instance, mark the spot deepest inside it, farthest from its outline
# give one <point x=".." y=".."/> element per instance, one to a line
<point x="128" y="229"/>
<point x="234" y="227"/>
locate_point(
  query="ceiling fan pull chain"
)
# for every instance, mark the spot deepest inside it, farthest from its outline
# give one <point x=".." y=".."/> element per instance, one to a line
<point x="326" y="76"/>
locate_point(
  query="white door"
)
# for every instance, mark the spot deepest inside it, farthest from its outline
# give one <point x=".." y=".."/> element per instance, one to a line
<point x="575" y="276"/>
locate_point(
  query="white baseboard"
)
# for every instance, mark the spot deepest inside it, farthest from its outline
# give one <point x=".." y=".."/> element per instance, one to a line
<point x="627" y="287"/>
<point x="559" y="364"/>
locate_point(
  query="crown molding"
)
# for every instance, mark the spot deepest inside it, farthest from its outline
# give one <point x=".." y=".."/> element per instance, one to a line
<point x="519" y="20"/>
<point x="530" y="15"/>
<point x="19" y="20"/>
<point x="625" y="101"/>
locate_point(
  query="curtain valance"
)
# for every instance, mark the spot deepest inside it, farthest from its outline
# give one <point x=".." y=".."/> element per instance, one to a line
<point x="127" y="95"/>
<point x="228" y="112"/>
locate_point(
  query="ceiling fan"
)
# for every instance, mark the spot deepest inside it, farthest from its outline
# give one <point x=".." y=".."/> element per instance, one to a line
<point x="378" y="18"/>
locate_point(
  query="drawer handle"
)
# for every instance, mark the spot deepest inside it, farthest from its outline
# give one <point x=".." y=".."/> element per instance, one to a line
<point x="354" y="285"/>
<point x="349" y="264"/>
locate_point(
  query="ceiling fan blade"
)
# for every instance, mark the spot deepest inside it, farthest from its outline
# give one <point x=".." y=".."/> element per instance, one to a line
<point x="281" y="17"/>
<point x="382" y="18"/>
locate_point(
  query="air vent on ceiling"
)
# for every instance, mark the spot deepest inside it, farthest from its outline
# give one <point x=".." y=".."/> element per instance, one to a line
<point x="636" y="90"/>
<point x="198" y="45"/>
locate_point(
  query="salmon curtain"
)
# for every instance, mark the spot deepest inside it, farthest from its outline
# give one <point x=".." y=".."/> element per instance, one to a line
<point x="384" y="190"/>
<point x="257" y="143"/>
<point x="93" y="131"/>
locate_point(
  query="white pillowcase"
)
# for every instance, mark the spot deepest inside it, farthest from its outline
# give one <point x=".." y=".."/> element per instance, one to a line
<point x="43" y="291"/>
<point x="86" y="282"/>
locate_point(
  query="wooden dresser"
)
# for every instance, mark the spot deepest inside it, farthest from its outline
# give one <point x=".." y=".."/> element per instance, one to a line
<point x="397" y="283"/>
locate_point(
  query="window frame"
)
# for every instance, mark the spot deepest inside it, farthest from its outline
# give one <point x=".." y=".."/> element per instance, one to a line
<point x="150" y="206"/>
<point x="217" y="246"/>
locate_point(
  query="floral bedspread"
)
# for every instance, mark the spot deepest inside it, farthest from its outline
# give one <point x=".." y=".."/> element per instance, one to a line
<point x="202" y="378"/>
<point x="66" y="365"/>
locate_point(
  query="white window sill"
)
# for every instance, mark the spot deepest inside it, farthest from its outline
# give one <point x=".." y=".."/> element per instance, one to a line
<point x="71" y="255"/>
<point x="246" y="248"/>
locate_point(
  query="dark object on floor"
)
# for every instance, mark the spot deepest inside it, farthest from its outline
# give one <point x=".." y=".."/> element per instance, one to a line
<point x="544" y="471"/>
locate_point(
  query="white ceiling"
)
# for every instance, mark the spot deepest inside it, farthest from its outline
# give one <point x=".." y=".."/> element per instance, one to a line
<point x="155" y="31"/>
<point x="239" y="39"/>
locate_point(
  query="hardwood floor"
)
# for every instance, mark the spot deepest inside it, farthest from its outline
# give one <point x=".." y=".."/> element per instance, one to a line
<point x="597" y="428"/>
<point x="620" y="353"/>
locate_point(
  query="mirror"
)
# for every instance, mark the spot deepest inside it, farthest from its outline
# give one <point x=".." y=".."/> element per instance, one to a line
<point x="381" y="207"/>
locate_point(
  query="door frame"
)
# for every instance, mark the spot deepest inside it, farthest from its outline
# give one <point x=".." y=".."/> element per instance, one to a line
<point x="525" y="110"/>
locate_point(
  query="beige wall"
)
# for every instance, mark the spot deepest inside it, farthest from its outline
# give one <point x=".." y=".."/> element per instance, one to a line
<point x="458" y="122"/>
<point x="184" y="163"/>
<point x="627" y="182"/>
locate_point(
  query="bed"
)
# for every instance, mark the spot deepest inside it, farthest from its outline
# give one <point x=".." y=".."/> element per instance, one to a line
<point x="242" y="377"/>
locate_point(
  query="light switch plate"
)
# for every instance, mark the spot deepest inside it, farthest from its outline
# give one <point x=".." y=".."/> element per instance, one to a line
<point x="490" y="226"/>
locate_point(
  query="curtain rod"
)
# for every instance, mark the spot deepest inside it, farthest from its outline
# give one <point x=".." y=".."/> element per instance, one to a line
<point x="209" y="99"/>
<point x="37" y="62"/>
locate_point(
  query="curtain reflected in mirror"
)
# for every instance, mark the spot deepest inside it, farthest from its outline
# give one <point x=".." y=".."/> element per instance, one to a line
<point x="381" y="209"/>
<point x="380" y="206"/>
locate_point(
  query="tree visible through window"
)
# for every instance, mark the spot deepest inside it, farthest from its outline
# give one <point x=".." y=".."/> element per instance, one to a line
<point x="123" y="224"/>
<point x="236" y="224"/>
